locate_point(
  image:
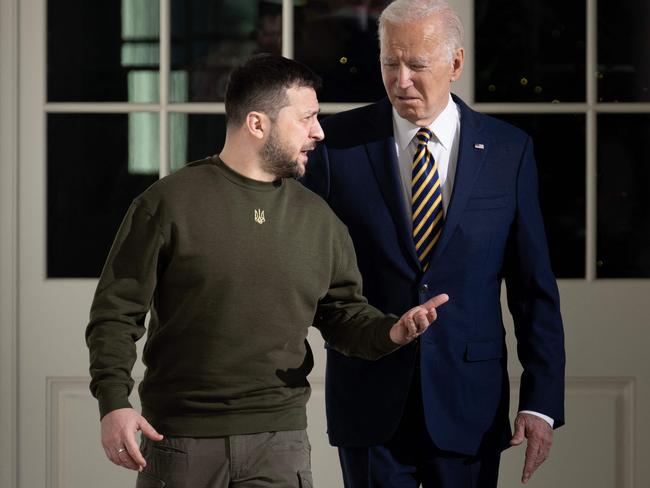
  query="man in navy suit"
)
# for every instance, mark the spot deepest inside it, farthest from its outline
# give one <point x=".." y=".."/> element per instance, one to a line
<point x="439" y="199"/>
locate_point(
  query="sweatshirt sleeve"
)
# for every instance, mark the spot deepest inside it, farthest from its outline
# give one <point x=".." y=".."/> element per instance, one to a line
<point x="345" y="319"/>
<point x="120" y="305"/>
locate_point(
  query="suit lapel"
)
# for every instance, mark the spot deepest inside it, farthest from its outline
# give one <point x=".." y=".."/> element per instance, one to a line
<point x="380" y="146"/>
<point x="472" y="150"/>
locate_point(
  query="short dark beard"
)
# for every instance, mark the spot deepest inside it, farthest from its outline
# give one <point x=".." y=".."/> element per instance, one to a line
<point x="276" y="160"/>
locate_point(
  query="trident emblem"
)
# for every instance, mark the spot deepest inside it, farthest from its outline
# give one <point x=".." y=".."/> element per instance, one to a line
<point x="259" y="216"/>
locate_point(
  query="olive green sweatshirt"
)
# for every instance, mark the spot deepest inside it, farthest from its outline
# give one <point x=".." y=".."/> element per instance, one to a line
<point x="233" y="271"/>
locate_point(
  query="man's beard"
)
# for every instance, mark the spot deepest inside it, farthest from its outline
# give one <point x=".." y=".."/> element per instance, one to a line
<point x="276" y="158"/>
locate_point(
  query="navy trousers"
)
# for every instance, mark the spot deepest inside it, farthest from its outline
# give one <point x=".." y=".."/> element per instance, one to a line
<point x="410" y="459"/>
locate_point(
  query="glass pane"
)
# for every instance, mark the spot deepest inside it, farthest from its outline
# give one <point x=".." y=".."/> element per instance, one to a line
<point x="339" y="41"/>
<point x="211" y="37"/>
<point x="623" y="187"/>
<point x="530" y="51"/>
<point x="114" y="57"/>
<point x="195" y="137"/>
<point x="96" y="165"/>
<point x="623" y="51"/>
<point x="561" y="185"/>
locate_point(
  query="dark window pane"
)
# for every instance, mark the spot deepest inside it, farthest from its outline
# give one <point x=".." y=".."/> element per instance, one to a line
<point x="623" y="187"/>
<point x="195" y="137"/>
<point x="530" y="51"/>
<point x="96" y="165"/>
<point x="339" y="41"/>
<point x="102" y="50"/>
<point x="560" y="154"/>
<point x="211" y="37"/>
<point x="623" y="51"/>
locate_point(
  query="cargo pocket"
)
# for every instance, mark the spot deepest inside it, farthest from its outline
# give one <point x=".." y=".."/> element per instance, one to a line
<point x="304" y="479"/>
<point x="167" y="463"/>
<point x="146" y="480"/>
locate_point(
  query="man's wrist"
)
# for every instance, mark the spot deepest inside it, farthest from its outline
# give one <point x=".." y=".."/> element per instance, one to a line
<point x="548" y="419"/>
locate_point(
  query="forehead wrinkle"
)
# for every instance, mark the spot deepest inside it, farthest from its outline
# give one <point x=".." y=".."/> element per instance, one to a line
<point x="423" y="32"/>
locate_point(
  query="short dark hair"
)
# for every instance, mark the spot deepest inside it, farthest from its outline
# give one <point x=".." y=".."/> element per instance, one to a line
<point x="261" y="83"/>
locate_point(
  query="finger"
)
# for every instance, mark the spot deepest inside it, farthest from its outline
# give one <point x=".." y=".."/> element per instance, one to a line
<point x="133" y="451"/>
<point x="544" y="450"/>
<point x="421" y="321"/>
<point x="518" y="436"/>
<point x="146" y="429"/>
<point x="531" y="464"/>
<point x="127" y="461"/>
<point x="112" y="456"/>
<point x="432" y="315"/>
<point x="436" y="301"/>
<point x="411" y="331"/>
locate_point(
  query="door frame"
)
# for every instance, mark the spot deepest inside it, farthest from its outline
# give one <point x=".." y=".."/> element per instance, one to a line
<point x="8" y="242"/>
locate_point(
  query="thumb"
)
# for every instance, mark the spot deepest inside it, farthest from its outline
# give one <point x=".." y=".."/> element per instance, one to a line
<point x="147" y="430"/>
<point x="518" y="436"/>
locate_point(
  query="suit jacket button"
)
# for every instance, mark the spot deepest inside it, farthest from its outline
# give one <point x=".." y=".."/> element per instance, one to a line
<point x="424" y="288"/>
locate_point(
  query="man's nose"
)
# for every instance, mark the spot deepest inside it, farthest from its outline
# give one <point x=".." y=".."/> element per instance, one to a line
<point x="404" y="77"/>
<point x="317" y="131"/>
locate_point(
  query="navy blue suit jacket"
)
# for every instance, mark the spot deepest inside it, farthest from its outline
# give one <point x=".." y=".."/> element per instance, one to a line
<point x="493" y="231"/>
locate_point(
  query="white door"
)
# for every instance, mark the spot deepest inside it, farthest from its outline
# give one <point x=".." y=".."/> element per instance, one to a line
<point x="49" y="421"/>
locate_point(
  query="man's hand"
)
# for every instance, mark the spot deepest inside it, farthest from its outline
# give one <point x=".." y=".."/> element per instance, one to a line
<point x="118" y="437"/>
<point x="540" y="437"/>
<point x="414" y="322"/>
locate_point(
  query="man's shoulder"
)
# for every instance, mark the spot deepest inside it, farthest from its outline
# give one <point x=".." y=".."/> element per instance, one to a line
<point x="495" y="127"/>
<point x="350" y="123"/>
<point x="183" y="182"/>
<point x="502" y="129"/>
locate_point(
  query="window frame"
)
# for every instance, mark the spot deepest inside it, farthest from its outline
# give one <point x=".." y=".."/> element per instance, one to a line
<point x="590" y="108"/>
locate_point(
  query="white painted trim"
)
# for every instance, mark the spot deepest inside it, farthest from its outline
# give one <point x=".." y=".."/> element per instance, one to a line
<point x="464" y="87"/>
<point x="8" y="243"/>
<point x="165" y="73"/>
<point x="591" y="142"/>
<point x="623" y="389"/>
<point x="330" y="108"/>
<point x="287" y="28"/>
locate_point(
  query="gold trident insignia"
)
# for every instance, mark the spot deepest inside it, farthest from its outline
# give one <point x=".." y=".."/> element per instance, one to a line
<point x="259" y="216"/>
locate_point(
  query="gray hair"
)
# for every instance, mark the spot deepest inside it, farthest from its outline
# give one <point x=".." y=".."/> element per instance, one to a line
<point x="407" y="11"/>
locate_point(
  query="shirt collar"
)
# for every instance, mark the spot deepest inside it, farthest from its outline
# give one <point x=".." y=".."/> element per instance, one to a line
<point x="442" y="127"/>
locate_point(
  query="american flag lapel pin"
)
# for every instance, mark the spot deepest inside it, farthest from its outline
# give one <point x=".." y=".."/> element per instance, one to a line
<point x="479" y="146"/>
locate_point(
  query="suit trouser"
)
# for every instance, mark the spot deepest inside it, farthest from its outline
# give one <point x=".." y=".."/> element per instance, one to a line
<point x="410" y="459"/>
<point x="265" y="460"/>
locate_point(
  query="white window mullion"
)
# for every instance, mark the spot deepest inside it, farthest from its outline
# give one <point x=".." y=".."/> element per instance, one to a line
<point x="165" y="63"/>
<point x="100" y="107"/>
<point x="531" y="108"/>
<point x="591" y="142"/>
<point x="287" y="28"/>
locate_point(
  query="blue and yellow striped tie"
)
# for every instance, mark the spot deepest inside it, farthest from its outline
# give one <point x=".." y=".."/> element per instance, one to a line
<point x="426" y="200"/>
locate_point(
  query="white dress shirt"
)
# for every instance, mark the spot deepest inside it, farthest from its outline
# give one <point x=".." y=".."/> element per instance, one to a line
<point x="443" y="146"/>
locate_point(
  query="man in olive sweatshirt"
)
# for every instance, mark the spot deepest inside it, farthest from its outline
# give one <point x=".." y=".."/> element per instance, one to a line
<point x="234" y="260"/>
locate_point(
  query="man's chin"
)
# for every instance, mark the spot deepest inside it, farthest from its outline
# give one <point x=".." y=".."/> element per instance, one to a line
<point x="299" y="170"/>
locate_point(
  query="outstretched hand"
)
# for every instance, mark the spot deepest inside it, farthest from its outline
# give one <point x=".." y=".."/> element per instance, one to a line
<point x="118" y="437"/>
<point x="414" y="322"/>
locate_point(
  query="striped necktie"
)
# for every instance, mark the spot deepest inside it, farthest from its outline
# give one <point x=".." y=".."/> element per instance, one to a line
<point x="426" y="200"/>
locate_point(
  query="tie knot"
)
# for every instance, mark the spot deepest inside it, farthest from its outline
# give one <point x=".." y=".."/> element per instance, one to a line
<point x="423" y="135"/>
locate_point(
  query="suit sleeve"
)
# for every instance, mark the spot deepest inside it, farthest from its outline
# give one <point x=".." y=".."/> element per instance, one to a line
<point x="533" y="300"/>
<point x="345" y="319"/>
<point x="317" y="175"/>
<point x="122" y="300"/>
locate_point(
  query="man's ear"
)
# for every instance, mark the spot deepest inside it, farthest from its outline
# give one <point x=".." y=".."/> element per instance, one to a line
<point x="257" y="124"/>
<point x="457" y="64"/>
